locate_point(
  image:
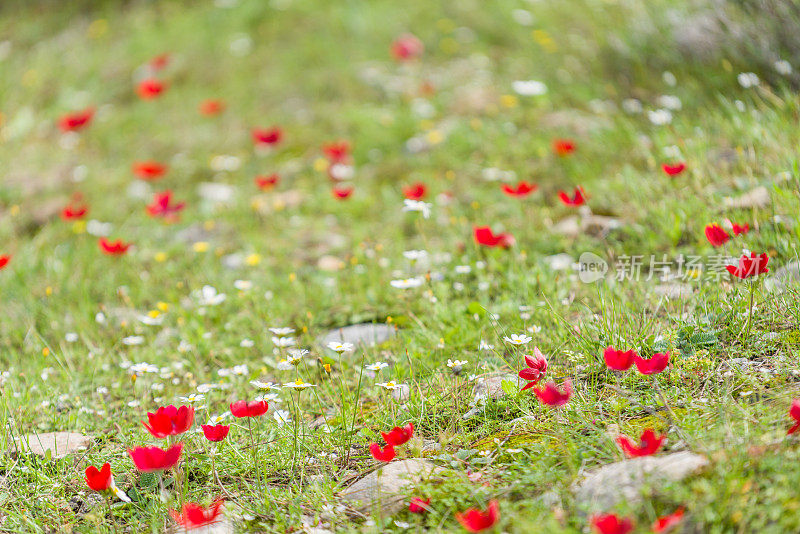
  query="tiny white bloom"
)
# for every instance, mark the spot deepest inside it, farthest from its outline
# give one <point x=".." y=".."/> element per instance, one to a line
<point x="390" y="385"/>
<point x="660" y="117"/>
<point x="243" y="285"/>
<point x="246" y="343"/>
<point x="529" y="87"/>
<point x="783" y="67"/>
<point x="264" y="385"/>
<point x="407" y="283"/>
<point x="283" y="341"/>
<point x="282" y="331"/>
<point x="298" y="384"/>
<point x="748" y="79"/>
<point x="336" y="346"/>
<point x="281" y="417"/>
<point x="485" y="346"/>
<point x="518" y="339"/>
<point x="417" y="205"/>
<point x="133" y="340"/>
<point x="377" y="366"/>
<point x="208" y="296"/>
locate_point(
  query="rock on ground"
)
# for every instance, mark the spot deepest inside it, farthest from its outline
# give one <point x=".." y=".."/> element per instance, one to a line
<point x="364" y="335"/>
<point x="386" y="491"/>
<point x="60" y="443"/>
<point x="603" y="488"/>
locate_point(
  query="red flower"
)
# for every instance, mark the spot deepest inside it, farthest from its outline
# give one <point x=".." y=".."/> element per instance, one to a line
<point x="537" y="367"/>
<point x="668" y="522"/>
<point x="611" y="524"/>
<point x="382" y="455"/>
<point x="654" y="365"/>
<point x="76" y="120"/>
<point x="521" y="190"/>
<point x="475" y="520"/>
<point x="418" y="505"/>
<point x="578" y="197"/>
<point x="266" y="183"/>
<point x="649" y="444"/>
<point x="211" y="107"/>
<point x="4" y="259"/>
<point x="755" y="265"/>
<point x="342" y="192"/>
<point x="336" y="152"/>
<point x="249" y="409"/>
<point x="716" y="235"/>
<point x="99" y="479"/>
<point x="563" y="147"/>
<point x="150" y="88"/>
<point x="398" y="435"/>
<point x="162" y="206"/>
<point x="149" y="170"/>
<point x="740" y="230"/>
<point x="149" y="459"/>
<point x="159" y="62"/>
<point x="267" y="136"/>
<point x="551" y="396"/>
<point x="794" y="412"/>
<point x="407" y="47"/>
<point x="416" y="191"/>
<point x="70" y="213"/>
<point x="673" y="170"/>
<point x="617" y="359"/>
<point x="215" y="432"/>
<point x="484" y="236"/>
<point x="169" y="421"/>
<point x="113" y="248"/>
<point x="195" y="516"/>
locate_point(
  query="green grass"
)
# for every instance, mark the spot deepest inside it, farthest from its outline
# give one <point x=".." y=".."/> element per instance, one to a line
<point x="322" y="71"/>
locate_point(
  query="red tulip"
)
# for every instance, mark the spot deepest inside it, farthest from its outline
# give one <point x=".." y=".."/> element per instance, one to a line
<point x="578" y="197"/>
<point x="611" y="524"/>
<point x="150" y="88"/>
<point x="522" y="189"/>
<point x="475" y="520"/>
<point x="418" y="505"/>
<point x="398" y="435"/>
<point x="794" y="412"/>
<point x="4" y="259"/>
<point x="266" y="183"/>
<point x="484" y="236"/>
<point x="755" y="265"/>
<point x="162" y="206"/>
<point x="195" y="516"/>
<point x="619" y="360"/>
<point x="740" y="230"/>
<point x="77" y="120"/>
<point x="215" y="432"/>
<point x="149" y="459"/>
<point x="99" y="479"/>
<point x="74" y="213"/>
<point x="249" y="409"/>
<point x="159" y="62"/>
<point x="563" y="147"/>
<point x="551" y="396"/>
<point x="416" y="191"/>
<point x="169" y="421"/>
<point x="386" y="454"/>
<point x="342" y="192"/>
<point x="149" y="170"/>
<point x="668" y="522"/>
<point x="337" y="152"/>
<point x="407" y="47"/>
<point x="649" y="444"/>
<point x="211" y="107"/>
<point x="267" y="136"/>
<point x="716" y="235"/>
<point x="537" y="367"/>
<point x="673" y="170"/>
<point x="113" y="248"/>
<point x="653" y="365"/>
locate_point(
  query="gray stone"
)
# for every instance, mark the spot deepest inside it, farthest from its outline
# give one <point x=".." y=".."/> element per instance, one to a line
<point x="755" y="198"/>
<point x="360" y="335"/>
<point x="401" y="394"/>
<point x="386" y="491"/>
<point x="783" y="276"/>
<point x="59" y="443"/>
<point x="602" y="489"/>
<point x="491" y="386"/>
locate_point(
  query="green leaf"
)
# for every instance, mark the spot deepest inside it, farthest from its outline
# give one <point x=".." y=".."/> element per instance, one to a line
<point x="509" y="387"/>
